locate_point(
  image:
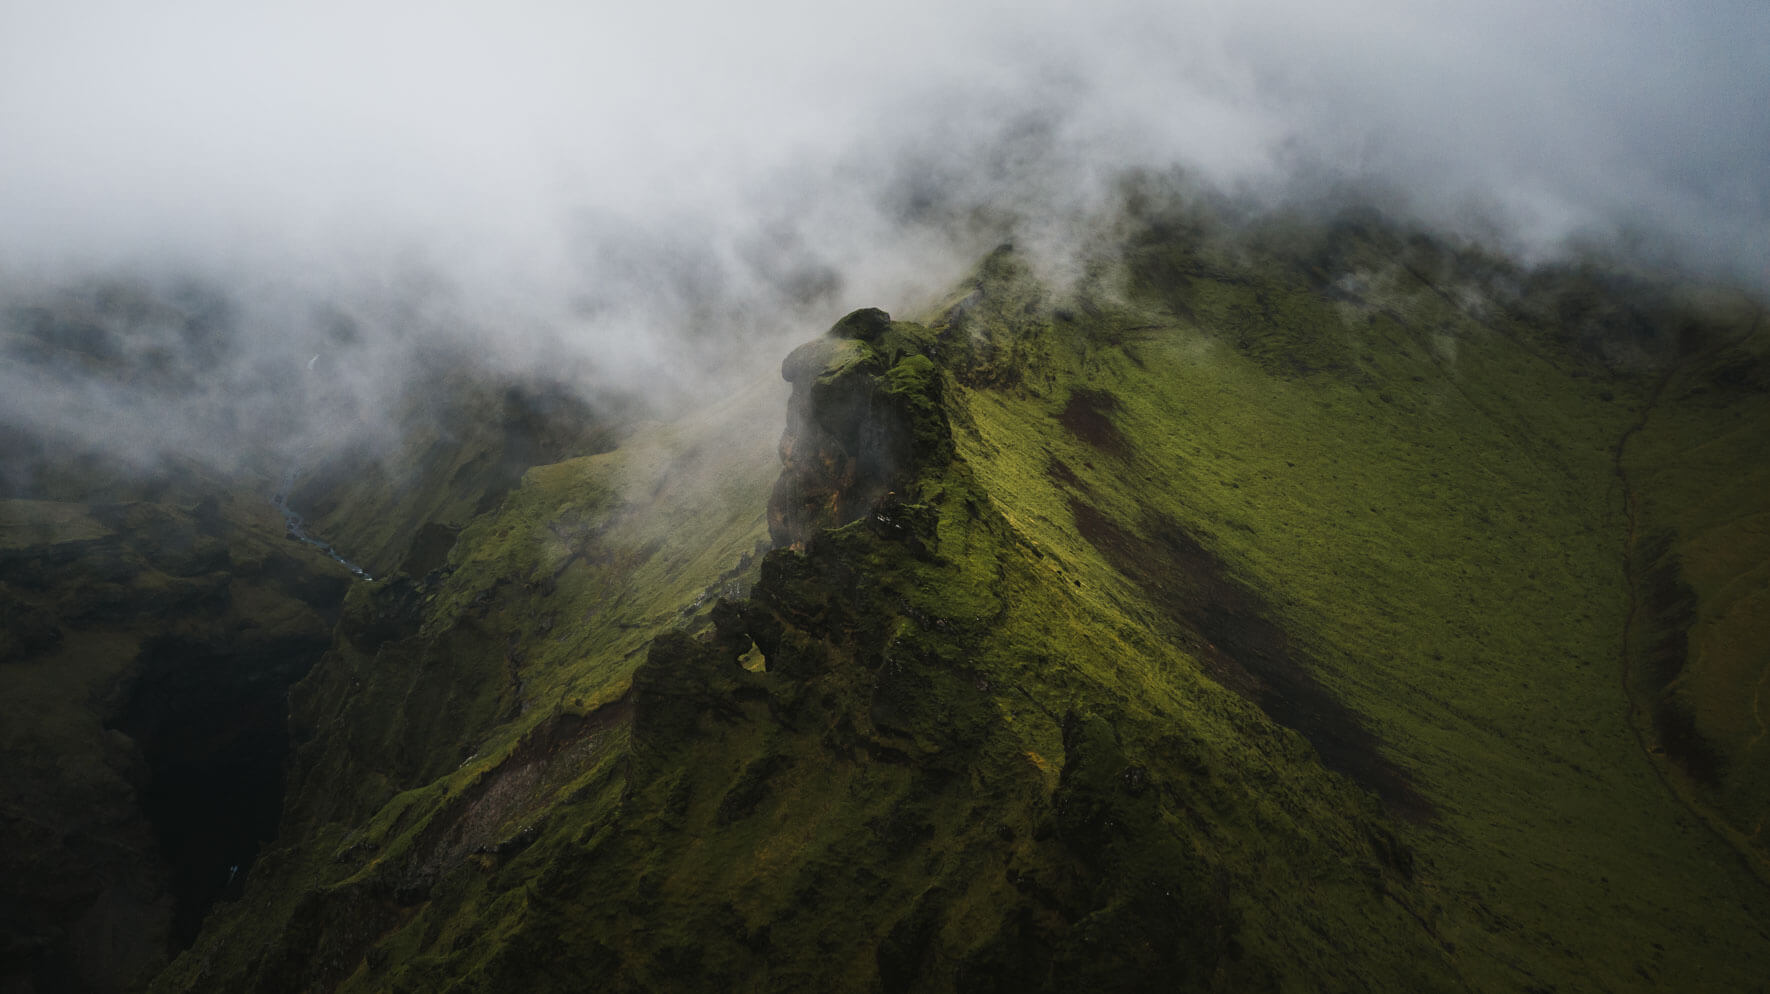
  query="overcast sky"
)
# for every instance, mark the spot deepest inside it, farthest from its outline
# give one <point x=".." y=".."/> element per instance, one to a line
<point x="137" y="127"/>
<point x="608" y="173"/>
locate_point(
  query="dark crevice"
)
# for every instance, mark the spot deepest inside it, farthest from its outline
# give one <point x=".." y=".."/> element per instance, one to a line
<point x="212" y="724"/>
<point x="1667" y="611"/>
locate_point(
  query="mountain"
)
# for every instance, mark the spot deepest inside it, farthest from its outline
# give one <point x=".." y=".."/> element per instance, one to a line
<point x="1264" y="603"/>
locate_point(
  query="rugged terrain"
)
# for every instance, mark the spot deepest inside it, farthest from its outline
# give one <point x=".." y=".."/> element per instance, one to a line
<point x="1265" y="605"/>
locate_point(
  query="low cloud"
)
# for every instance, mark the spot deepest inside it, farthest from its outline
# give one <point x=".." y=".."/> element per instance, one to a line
<point x="659" y="192"/>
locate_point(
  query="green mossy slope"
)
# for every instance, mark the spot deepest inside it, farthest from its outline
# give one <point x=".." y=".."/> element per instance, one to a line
<point x="459" y="713"/>
<point x="1248" y="615"/>
<point x="465" y="435"/>
<point x="1427" y="500"/>
<point x="941" y="769"/>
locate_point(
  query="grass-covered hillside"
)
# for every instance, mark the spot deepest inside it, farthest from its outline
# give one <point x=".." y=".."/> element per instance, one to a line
<point x="1698" y="467"/>
<point x="1277" y="606"/>
<point x="155" y="609"/>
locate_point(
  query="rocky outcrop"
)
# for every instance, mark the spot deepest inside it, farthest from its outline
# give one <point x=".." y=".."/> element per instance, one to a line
<point x="865" y="416"/>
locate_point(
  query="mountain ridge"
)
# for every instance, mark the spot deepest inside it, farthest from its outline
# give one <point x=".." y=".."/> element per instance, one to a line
<point x="1246" y="613"/>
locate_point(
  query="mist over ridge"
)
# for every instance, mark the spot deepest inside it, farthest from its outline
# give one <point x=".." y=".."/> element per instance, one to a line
<point x="617" y="196"/>
<point x="792" y="496"/>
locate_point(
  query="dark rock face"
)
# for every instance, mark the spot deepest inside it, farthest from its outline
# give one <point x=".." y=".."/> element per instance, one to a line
<point x="864" y="415"/>
<point x="210" y="720"/>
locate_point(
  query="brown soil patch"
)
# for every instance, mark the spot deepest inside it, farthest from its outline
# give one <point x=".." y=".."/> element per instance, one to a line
<point x="1059" y="472"/>
<point x="1088" y="416"/>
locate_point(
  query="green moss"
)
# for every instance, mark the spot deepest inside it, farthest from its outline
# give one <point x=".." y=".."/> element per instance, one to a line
<point x="1440" y="524"/>
<point x="1247" y="617"/>
<point x="476" y="735"/>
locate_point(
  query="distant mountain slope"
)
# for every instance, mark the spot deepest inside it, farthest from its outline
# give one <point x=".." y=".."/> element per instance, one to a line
<point x="1247" y="614"/>
<point x="1698" y="469"/>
